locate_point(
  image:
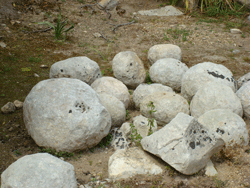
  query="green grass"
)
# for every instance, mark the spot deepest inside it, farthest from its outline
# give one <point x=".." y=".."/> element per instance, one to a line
<point x="55" y="153"/>
<point x="35" y="59"/>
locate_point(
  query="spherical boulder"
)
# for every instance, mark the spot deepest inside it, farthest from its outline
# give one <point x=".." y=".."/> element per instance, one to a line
<point x="112" y="86"/>
<point x="215" y="96"/>
<point x="202" y="73"/>
<point x="228" y="125"/>
<point x="161" y="51"/>
<point x="81" y="68"/>
<point x="115" y="108"/>
<point x="169" y="72"/>
<point x="65" y="114"/>
<point x="129" y="69"/>
<point x="39" y="170"/>
<point x="244" y="95"/>
<point x="164" y="106"/>
<point x="146" y="89"/>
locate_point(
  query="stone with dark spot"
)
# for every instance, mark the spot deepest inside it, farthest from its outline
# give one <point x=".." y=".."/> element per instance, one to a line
<point x="244" y="79"/>
<point x="243" y="94"/>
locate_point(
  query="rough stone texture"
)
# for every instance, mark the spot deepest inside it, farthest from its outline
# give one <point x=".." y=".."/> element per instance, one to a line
<point x="119" y="140"/>
<point x="112" y="86"/>
<point x="245" y="2"/>
<point x="228" y="125"/>
<point x="167" y="106"/>
<point x="81" y="68"/>
<point x="210" y="170"/>
<point x="244" y="79"/>
<point x="18" y="104"/>
<point x="39" y="170"/>
<point x="8" y="108"/>
<point x="65" y="114"/>
<point x="202" y="73"/>
<point x="164" y="11"/>
<point x="235" y="31"/>
<point x="169" y="72"/>
<point x="161" y="51"/>
<point x="215" y="96"/>
<point x="108" y="4"/>
<point x="115" y="108"/>
<point x="243" y="94"/>
<point x="130" y="162"/>
<point x="184" y="144"/>
<point x="129" y="69"/>
<point x="144" y="90"/>
<point x="141" y="124"/>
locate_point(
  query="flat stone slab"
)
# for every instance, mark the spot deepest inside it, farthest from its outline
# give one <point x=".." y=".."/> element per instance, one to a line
<point x="164" y="11"/>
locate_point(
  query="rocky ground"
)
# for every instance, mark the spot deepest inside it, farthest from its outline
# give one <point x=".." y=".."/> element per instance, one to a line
<point x="96" y="36"/>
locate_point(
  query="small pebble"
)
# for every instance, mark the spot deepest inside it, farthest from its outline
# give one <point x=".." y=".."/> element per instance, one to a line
<point x="36" y="75"/>
<point x="43" y="66"/>
<point x="18" y="104"/>
<point x="235" y="31"/>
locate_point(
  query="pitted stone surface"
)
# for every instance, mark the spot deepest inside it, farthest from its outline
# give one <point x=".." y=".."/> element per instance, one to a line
<point x="119" y="140"/>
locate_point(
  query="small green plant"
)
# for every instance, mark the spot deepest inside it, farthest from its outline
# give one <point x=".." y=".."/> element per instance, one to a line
<point x="17" y="153"/>
<point x="151" y="120"/>
<point x="105" y="142"/>
<point x="176" y="33"/>
<point x="90" y="163"/>
<point x="165" y="37"/>
<point x="55" y="153"/>
<point x="34" y="59"/>
<point x="148" y="79"/>
<point x="104" y="55"/>
<point x="135" y="136"/>
<point x="246" y="59"/>
<point x="59" y="28"/>
<point x="128" y="116"/>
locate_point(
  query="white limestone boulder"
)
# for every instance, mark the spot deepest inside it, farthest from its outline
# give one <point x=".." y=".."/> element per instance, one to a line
<point x="39" y="170"/>
<point x="81" y="68"/>
<point x="202" y="73"/>
<point x="167" y="106"/>
<point x="112" y="86"/>
<point x="184" y="144"/>
<point x="228" y="125"/>
<point x="129" y="69"/>
<point x="213" y="96"/>
<point x="142" y="125"/>
<point x="169" y="72"/>
<point x="119" y="139"/>
<point x="244" y="95"/>
<point x="242" y="80"/>
<point x="124" y="164"/>
<point x="146" y="89"/>
<point x="115" y="108"/>
<point x="65" y="114"/>
<point x="161" y="51"/>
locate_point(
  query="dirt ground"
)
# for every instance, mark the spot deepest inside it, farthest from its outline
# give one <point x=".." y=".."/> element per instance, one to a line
<point x="200" y="38"/>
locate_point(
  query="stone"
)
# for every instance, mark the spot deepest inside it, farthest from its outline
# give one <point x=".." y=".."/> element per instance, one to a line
<point x="2" y="44"/>
<point x="142" y="126"/>
<point x="119" y="140"/>
<point x="124" y="164"/>
<point x="129" y="69"/>
<point x="39" y="170"/>
<point x="115" y="108"/>
<point x="184" y="143"/>
<point x="242" y="80"/>
<point x="202" y="73"/>
<point x="164" y="11"/>
<point x="210" y="170"/>
<point x="213" y="96"/>
<point x="167" y="106"/>
<point x="243" y="94"/>
<point x="81" y="68"/>
<point x="161" y="51"/>
<point x="235" y="31"/>
<point x="108" y="4"/>
<point x="8" y="108"/>
<point x="144" y="90"/>
<point x="65" y="114"/>
<point x="18" y="104"/>
<point x="112" y="86"/>
<point x="126" y="129"/>
<point x="228" y="125"/>
<point x="169" y="72"/>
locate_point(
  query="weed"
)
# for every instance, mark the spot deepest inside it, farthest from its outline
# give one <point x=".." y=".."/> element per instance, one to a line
<point x="34" y="59"/>
<point x="176" y="33"/>
<point x="148" y="79"/>
<point x="130" y="92"/>
<point x="135" y="136"/>
<point x="104" y="55"/>
<point x="55" y="153"/>
<point x="219" y="183"/>
<point x="90" y="163"/>
<point x="165" y="37"/>
<point x="246" y="59"/>
<point x="151" y="120"/>
<point x="5" y="68"/>
<point x="128" y="116"/>
<point x="103" y="72"/>
<point x="105" y="142"/>
<point x="17" y="153"/>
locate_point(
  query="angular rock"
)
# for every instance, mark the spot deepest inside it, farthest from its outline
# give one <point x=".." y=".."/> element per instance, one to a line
<point x="65" y="114"/>
<point x="210" y="170"/>
<point x="161" y="51"/>
<point x="228" y="125"/>
<point x="115" y="108"/>
<point x="144" y="90"/>
<point x="39" y="170"/>
<point x="184" y="144"/>
<point x="119" y="140"/>
<point x="202" y="73"/>
<point x="108" y="4"/>
<point x="126" y="129"/>
<point x="18" y="104"/>
<point x="112" y="86"/>
<point x="142" y="126"/>
<point x="129" y="69"/>
<point x="81" y="68"/>
<point x="235" y="31"/>
<point x="164" y="11"/>
<point x="243" y="94"/>
<point x="169" y="72"/>
<point x="8" y="108"/>
<point x="242" y="80"/>
<point x="167" y="106"/>
<point x="128" y="163"/>
<point x="213" y="96"/>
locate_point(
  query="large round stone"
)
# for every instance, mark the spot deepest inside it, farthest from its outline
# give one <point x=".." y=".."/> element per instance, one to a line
<point x="215" y="96"/>
<point x="81" y="68"/>
<point x="39" y="170"/>
<point x="244" y="95"/>
<point x="65" y="114"/>
<point x="202" y="73"/>
<point x="244" y="79"/>
<point x="166" y="106"/>
<point x="112" y="86"/>
<point x="169" y="72"/>
<point x="129" y="69"/>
